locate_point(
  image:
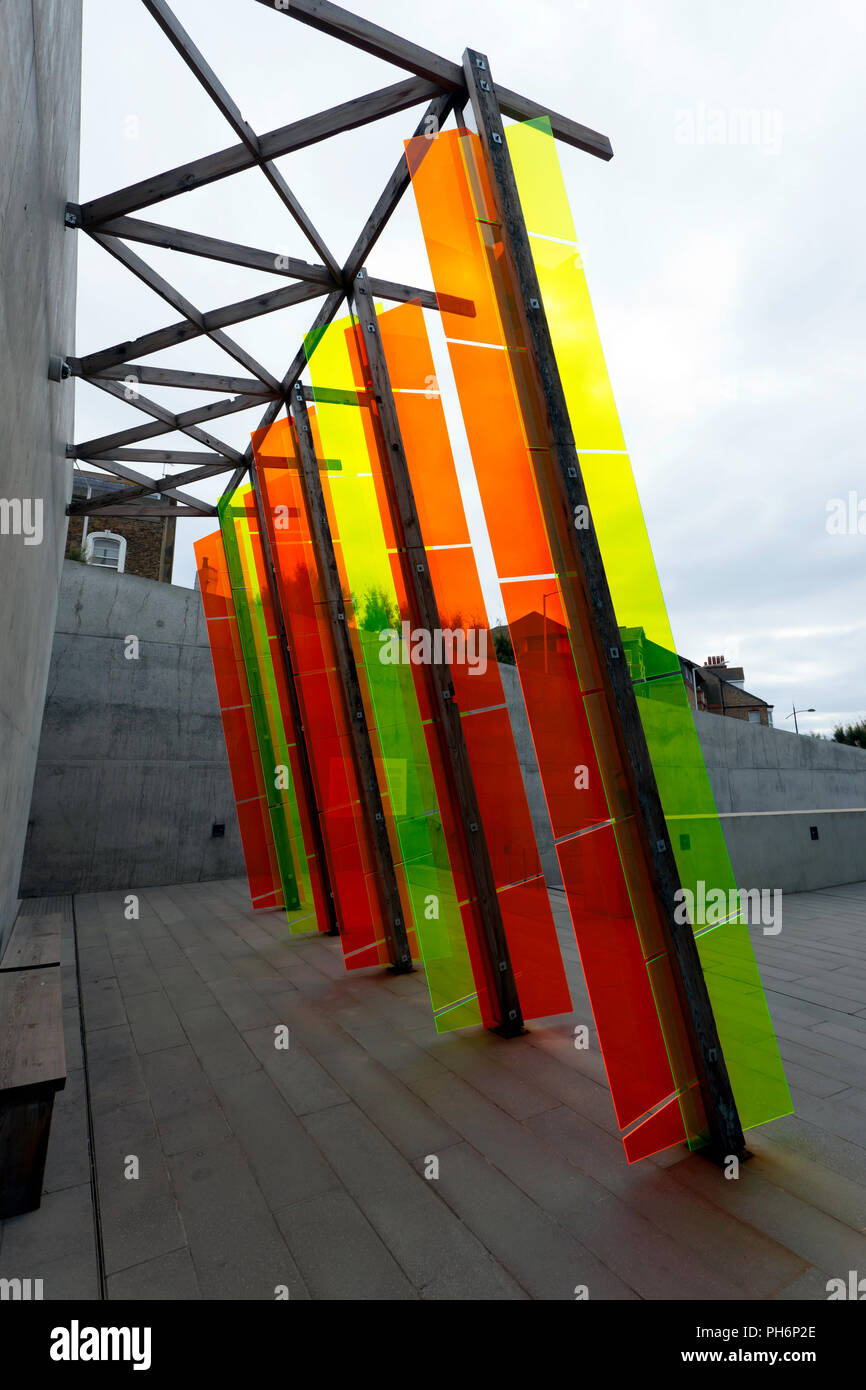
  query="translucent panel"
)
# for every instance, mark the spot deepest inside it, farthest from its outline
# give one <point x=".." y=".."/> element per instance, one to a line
<point x="467" y="649"/>
<point x="621" y="995"/>
<point x="345" y="830"/>
<point x="551" y="626"/>
<point x="257" y="839"/>
<point x="756" y="1072"/>
<point x="561" y="734"/>
<point x="414" y="805"/>
<point x="665" y="1128"/>
<point x="290" y="817"/>
<point x="499" y="449"/>
<point x="629" y="564"/>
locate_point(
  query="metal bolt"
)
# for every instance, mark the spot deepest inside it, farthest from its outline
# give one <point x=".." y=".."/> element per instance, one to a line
<point x="496" y="137"/>
<point x="485" y="86"/>
<point x="614" y="651"/>
<point x="534" y="304"/>
<point x="503" y="965"/>
<point x="661" y="846"/>
<point x="480" y="63"/>
<point x="473" y="826"/>
<point x="572" y="472"/>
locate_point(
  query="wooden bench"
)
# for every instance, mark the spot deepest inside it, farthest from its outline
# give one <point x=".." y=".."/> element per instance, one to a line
<point x="32" y="1058"/>
<point x="35" y="941"/>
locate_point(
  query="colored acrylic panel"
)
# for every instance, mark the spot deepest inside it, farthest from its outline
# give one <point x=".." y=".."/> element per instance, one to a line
<point x="756" y="1072"/>
<point x="257" y="839"/>
<point x="300" y="873"/>
<point x="307" y="616"/>
<point x="550" y="630"/>
<point x="409" y="793"/>
<point x="468" y="650"/>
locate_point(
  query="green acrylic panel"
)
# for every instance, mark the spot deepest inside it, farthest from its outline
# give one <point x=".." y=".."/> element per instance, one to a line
<point x="726" y="952"/>
<point x="240" y="544"/>
<point x="372" y="604"/>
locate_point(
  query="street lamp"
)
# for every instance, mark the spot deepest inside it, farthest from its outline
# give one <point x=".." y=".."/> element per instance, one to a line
<point x="795" y="712"/>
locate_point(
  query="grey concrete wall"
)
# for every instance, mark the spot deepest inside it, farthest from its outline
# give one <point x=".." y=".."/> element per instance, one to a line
<point x="40" y="53"/>
<point x="132" y="771"/>
<point x="770" y="787"/>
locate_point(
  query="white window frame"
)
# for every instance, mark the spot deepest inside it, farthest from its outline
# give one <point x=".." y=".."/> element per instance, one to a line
<point x="93" y="537"/>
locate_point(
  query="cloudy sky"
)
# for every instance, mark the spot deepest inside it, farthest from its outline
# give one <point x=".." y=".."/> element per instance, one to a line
<point x="723" y="248"/>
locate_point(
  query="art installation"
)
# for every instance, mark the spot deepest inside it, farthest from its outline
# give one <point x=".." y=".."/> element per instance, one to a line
<point x="375" y="771"/>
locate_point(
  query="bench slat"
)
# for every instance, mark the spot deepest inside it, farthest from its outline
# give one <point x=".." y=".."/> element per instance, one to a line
<point x="32" y="1051"/>
<point x="34" y="941"/>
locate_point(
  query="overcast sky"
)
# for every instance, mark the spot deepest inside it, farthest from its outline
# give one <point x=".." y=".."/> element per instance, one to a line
<point x="723" y="246"/>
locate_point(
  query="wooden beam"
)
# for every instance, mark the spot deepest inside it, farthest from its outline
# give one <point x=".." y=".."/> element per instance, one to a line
<point x="365" y="762"/>
<point x="161" y="286"/>
<point x="213" y="248"/>
<point x="425" y="615"/>
<point x="146" y="485"/>
<point x="372" y="38"/>
<point x="164" y="456"/>
<point x="205" y="74"/>
<point x="137" y="374"/>
<point x="272" y="262"/>
<point x="192" y="475"/>
<point x="583" y="558"/>
<point x="176" y="333"/>
<point x="185" y="423"/>
<point x="149" y="509"/>
<point x="349" y="115"/>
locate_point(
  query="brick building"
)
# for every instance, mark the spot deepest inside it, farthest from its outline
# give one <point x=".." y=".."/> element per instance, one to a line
<point x="132" y="545"/>
<point x="720" y="689"/>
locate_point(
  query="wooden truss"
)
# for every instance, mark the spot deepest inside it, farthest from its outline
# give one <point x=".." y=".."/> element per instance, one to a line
<point x="435" y="82"/>
<point x="444" y="88"/>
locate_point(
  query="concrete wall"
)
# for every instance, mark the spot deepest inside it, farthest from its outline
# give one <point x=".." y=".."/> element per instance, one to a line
<point x="40" y="52"/>
<point x="770" y="787"/>
<point x="132" y="772"/>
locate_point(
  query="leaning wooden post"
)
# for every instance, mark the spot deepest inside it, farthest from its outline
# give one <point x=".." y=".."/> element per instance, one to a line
<point x="419" y="588"/>
<point x="584" y="559"/>
<point x="317" y="514"/>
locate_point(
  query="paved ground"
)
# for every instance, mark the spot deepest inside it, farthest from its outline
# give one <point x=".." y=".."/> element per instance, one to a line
<point x="304" y="1168"/>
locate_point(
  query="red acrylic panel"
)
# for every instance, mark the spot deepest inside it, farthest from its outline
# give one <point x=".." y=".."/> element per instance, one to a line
<point x="554" y="648"/>
<point x="620" y="993"/>
<point x="504" y="812"/>
<point x="307" y="615"/>
<point x="244" y="765"/>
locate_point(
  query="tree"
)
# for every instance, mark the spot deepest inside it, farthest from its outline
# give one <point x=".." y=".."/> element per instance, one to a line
<point x="853" y="734"/>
